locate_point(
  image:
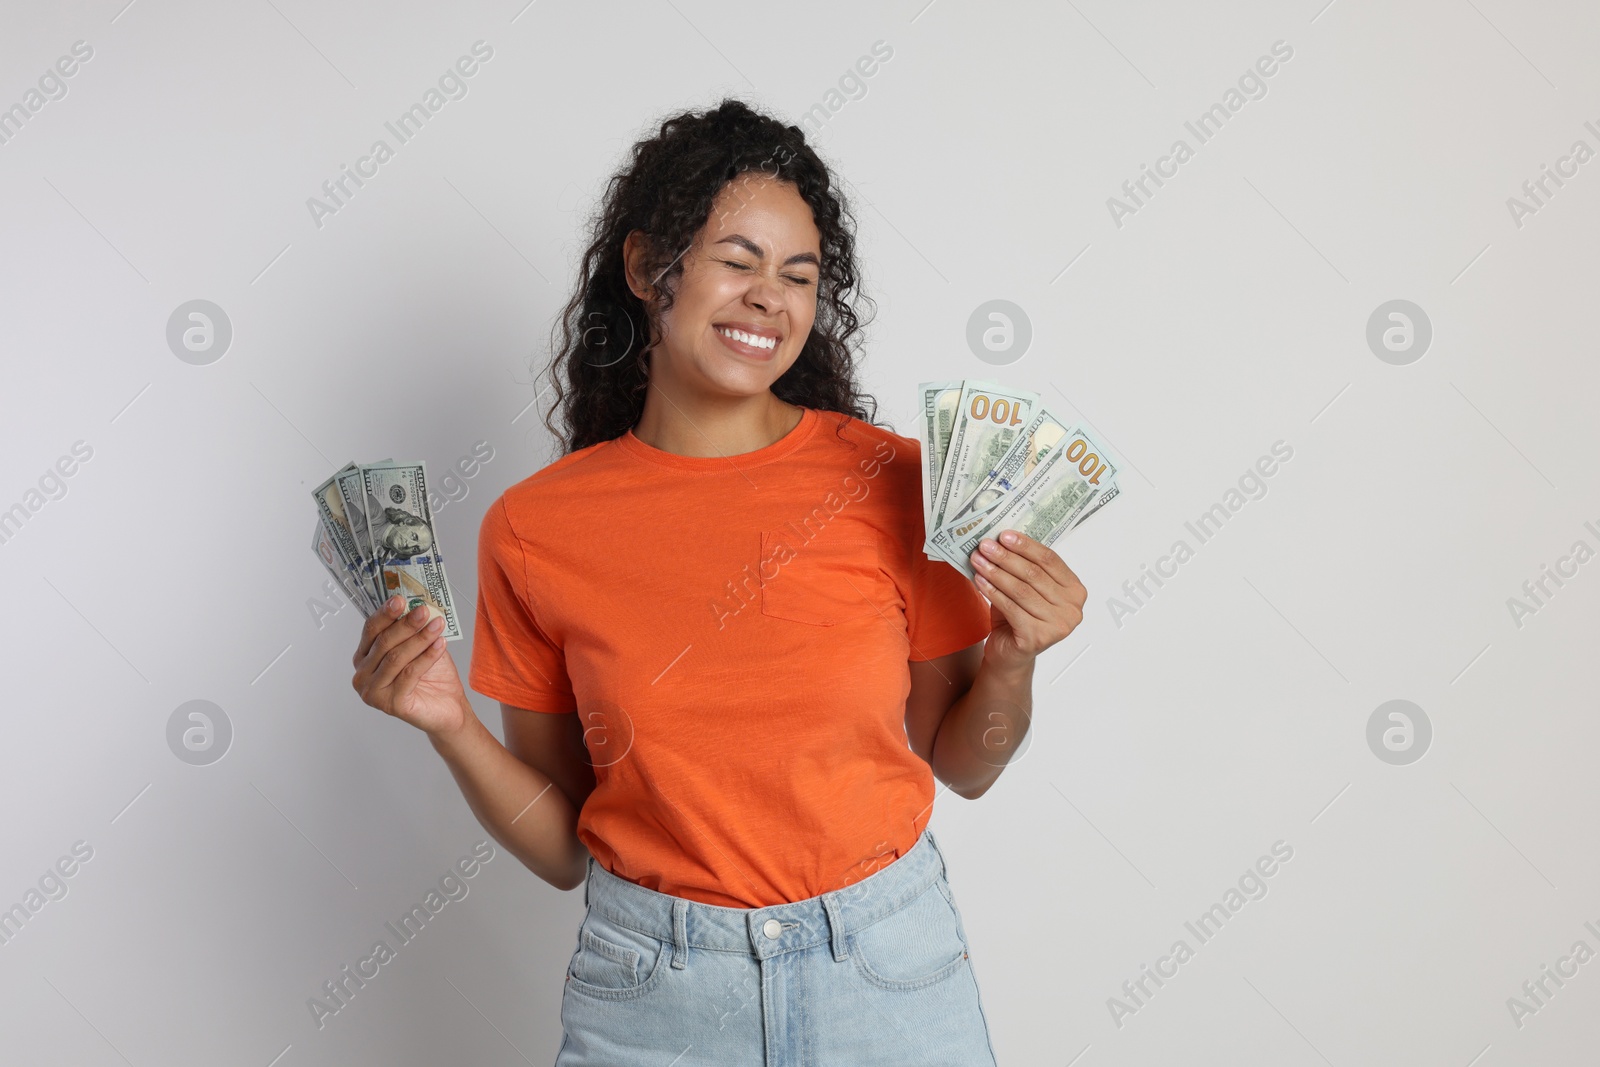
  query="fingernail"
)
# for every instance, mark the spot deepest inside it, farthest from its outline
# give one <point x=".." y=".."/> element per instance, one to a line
<point x="1009" y="537"/>
<point x="436" y="625"/>
<point x="395" y="604"/>
<point x="988" y="545"/>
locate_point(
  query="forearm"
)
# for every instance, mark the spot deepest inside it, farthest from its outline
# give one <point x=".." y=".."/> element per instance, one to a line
<point x="985" y="728"/>
<point x="521" y="807"/>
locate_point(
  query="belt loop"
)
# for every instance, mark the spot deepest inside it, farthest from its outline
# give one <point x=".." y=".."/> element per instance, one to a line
<point x="937" y="851"/>
<point x="680" y="933"/>
<point x="588" y="879"/>
<point x="830" y="904"/>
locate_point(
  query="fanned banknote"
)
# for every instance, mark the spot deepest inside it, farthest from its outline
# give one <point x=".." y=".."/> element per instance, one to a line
<point x="1063" y="485"/>
<point x="335" y="524"/>
<point x="940" y="402"/>
<point x="969" y="493"/>
<point x="988" y="418"/>
<point x="322" y="544"/>
<point x="1044" y="433"/>
<point x="375" y="535"/>
<point x="404" y="547"/>
<point x="1106" y="496"/>
<point x="348" y="482"/>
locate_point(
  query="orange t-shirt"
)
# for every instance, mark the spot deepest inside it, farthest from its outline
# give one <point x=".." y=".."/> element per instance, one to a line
<point x="735" y="632"/>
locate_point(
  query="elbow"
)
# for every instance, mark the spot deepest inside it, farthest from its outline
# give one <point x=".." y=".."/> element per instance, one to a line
<point x="971" y="792"/>
<point x="966" y="790"/>
<point x="565" y="876"/>
<point x="965" y="786"/>
<point x="577" y="873"/>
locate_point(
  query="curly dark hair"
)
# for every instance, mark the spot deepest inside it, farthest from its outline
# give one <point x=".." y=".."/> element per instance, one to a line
<point x="598" y="360"/>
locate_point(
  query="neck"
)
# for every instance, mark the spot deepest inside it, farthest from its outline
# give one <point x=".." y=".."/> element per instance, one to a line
<point x="689" y="424"/>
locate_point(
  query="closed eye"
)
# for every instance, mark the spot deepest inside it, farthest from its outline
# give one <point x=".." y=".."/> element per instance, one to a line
<point x="797" y="279"/>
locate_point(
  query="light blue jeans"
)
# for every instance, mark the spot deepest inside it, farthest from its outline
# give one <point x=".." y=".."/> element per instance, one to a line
<point x="875" y="973"/>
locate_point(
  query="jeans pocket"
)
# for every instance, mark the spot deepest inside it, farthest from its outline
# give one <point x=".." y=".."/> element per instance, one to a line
<point x="913" y="947"/>
<point x="614" y="962"/>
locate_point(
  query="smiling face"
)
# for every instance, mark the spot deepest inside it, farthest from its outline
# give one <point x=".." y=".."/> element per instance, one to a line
<point x="747" y="297"/>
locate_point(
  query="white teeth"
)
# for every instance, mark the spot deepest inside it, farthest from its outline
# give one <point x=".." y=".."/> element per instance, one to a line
<point x="750" y="339"/>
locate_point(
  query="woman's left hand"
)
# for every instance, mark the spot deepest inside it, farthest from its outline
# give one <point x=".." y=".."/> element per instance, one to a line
<point x="1034" y="598"/>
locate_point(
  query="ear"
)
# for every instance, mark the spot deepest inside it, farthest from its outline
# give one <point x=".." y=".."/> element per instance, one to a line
<point x="634" y="248"/>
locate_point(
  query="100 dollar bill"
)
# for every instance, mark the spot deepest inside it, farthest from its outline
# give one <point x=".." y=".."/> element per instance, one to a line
<point x="335" y="521"/>
<point x="1047" y="504"/>
<point x="348" y="482"/>
<point x="940" y="403"/>
<point x="1044" y="433"/>
<point x="988" y="418"/>
<point x="322" y="544"/>
<point x="399" y="528"/>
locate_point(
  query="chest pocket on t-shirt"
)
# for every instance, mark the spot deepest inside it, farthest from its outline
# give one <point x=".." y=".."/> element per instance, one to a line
<point x="825" y="581"/>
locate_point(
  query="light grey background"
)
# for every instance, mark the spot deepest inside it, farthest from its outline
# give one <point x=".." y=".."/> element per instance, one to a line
<point x="1173" y="746"/>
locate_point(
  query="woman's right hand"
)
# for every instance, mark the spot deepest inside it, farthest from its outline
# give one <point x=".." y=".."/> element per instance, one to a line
<point x="402" y="669"/>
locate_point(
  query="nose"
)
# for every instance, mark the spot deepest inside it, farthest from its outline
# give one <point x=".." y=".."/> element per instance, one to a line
<point x="764" y="293"/>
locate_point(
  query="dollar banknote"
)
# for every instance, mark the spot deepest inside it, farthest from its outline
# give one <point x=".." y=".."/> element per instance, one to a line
<point x="988" y="418"/>
<point x="405" y="550"/>
<point x="1044" y="433"/>
<point x="940" y="402"/>
<point x="1044" y="506"/>
<point x="1104" y="497"/>
<point x="348" y="483"/>
<point x="334" y="519"/>
<point x="322" y="544"/>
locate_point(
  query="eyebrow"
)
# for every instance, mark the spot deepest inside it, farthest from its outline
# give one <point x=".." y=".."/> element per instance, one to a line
<point x="755" y="250"/>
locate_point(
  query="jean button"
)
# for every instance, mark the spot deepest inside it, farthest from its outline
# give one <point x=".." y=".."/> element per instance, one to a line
<point x="772" y="928"/>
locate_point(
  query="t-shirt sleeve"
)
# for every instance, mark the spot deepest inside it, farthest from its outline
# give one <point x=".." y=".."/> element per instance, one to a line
<point x="945" y="612"/>
<point x="513" y="660"/>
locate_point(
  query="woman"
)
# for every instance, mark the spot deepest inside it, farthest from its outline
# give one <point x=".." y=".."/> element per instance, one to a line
<point x="728" y="674"/>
